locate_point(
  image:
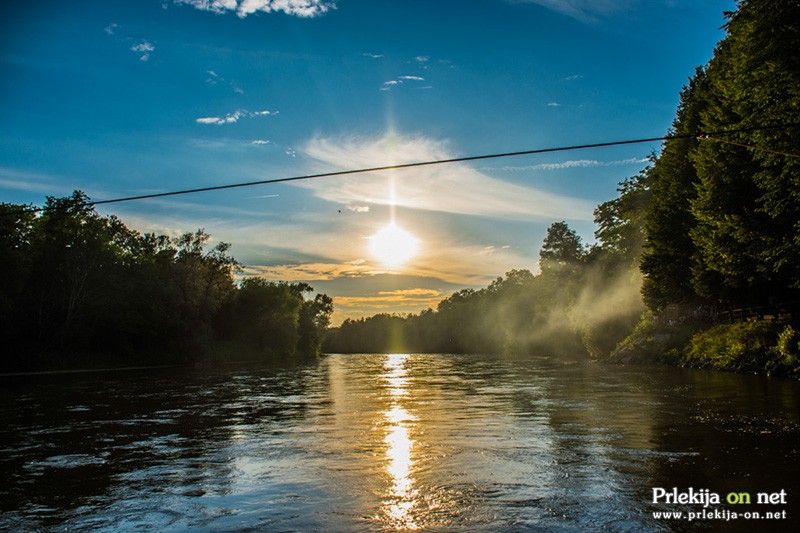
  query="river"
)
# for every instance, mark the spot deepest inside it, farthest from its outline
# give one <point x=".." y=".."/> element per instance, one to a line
<point x="396" y="442"/>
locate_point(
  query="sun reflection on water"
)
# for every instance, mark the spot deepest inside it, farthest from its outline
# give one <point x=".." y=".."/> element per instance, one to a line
<point x="398" y="507"/>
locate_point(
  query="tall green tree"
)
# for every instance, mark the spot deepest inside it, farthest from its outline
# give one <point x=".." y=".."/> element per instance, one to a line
<point x="669" y="253"/>
<point x="748" y="202"/>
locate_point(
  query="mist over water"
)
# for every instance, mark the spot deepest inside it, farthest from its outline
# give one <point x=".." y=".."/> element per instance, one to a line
<point x="394" y="442"/>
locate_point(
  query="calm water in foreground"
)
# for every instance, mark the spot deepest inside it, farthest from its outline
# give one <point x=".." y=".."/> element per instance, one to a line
<point x="393" y="442"/>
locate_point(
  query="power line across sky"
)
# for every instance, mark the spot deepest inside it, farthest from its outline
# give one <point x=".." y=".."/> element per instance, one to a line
<point x="699" y="135"/>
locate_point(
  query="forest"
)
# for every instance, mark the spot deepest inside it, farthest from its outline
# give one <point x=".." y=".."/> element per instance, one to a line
<point x="78" y="289"/>
<point x="696" y="261"/>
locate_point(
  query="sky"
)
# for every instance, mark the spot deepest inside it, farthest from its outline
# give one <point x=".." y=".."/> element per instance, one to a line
<point x="128" y="97"/>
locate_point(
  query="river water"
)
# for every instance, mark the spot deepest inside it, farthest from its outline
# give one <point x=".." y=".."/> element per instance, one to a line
<point x="395" y="443"/>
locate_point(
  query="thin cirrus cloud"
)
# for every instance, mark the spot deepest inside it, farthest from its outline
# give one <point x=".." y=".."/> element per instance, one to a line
<point x="234" y="117"/>
<point x="453" y="188"/>
<point x="390" y="84"/>
<point x="243" y="8"/>
<point x="30" y="181"/>
<point x="216" y="79"/>
<point x="583" y="10"/>
<point x="576" y="163"/>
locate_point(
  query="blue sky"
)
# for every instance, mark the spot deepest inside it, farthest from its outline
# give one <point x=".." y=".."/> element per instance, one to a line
<point x="128" y="97"/>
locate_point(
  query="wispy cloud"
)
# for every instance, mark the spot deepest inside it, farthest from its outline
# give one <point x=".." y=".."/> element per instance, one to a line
<point x="144" y="48"/>
<point x="402" y="298"/>
<point x="390" y="84"/>
<point x="372" y="56"/>
<point x="358" y="208"/>
<point x="30" y="181"/>
<point x="573" y="77"/>
<point x="310" y="271"/>
<point x="260" y="141"/>
<point x="553" y="104"/>
<point x="453" y="188"/>
<point x="234" y="117"/>
<point x="243" y="8"/>
<point x="575" y="163"/>
<point x="230" y="118"/>
<point x="488" y="250"/>
<point x="216" y="79"/>
<point x="583" y="10"/>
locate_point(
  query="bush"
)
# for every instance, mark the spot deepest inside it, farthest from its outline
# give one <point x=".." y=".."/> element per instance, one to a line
<point x="744" y="346"/>
<point x="789" y="346"/>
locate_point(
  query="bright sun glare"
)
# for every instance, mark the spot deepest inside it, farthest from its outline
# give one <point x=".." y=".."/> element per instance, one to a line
<point x="393" y="246"/>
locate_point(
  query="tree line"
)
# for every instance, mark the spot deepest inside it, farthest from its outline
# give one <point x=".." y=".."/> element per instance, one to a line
<point x="585" y="299"/>
<point x="79" y="288"/>
<point x="711" y="225"/>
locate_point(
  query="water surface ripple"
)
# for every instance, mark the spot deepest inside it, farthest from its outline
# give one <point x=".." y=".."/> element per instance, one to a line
<point x="398" y="442"/>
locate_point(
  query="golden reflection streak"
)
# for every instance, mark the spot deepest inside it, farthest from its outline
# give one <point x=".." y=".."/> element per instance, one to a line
<point x="403" y="497"/>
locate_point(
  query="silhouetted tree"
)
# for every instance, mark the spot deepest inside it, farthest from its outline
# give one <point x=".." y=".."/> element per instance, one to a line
<point x="77" y="287"/>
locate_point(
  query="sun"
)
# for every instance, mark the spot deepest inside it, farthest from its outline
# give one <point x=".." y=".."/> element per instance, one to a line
<point x="393" y="246"/>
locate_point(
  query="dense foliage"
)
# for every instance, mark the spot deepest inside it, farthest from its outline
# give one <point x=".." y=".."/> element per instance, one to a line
<point x="80" y="288"/>
<point x="723" y="228"/>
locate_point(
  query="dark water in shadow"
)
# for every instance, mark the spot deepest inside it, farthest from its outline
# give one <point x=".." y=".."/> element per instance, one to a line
<point x="394" y="442"/>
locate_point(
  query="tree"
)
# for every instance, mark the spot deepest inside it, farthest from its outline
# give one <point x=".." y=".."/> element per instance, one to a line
<point x="77" y="287"/>
<point x="669" y="256"/>
<point x="748" y="202"/>
<point x="16" y="234"/>
<point x="73" y="254"/>
<point x="620" y="222"/>
<point x="561" y="250"/>
<point x="315" y="317"/>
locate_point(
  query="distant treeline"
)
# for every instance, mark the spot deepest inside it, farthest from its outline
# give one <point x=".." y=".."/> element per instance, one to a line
<point x="78" y="288"/>
<point x="584" y="299"/>
<point x="711" y="226"/>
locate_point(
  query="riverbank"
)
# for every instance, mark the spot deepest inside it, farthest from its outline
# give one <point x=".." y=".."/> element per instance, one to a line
<point x="756" y="346"/>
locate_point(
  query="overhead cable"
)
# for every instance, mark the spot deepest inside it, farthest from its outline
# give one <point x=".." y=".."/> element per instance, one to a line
<point x="696" y="135"/>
